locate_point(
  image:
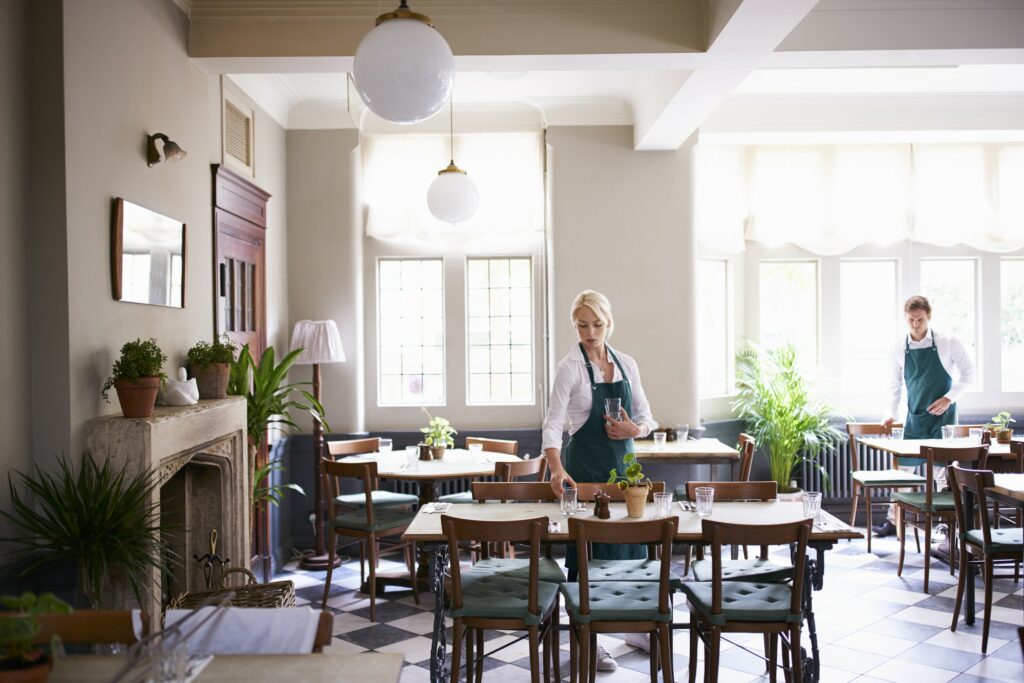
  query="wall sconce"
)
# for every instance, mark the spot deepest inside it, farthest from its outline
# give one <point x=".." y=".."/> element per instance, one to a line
<point x="172" y="152"/>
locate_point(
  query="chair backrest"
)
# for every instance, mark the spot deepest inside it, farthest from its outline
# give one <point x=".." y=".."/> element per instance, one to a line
<point x="726" y="491"/>
<point x="521" y="491"/>
<point x="353" y="446"/>
<point x="962" y="431"/>
<point x="531" y="531"/>
<point x="510" y="471"/>
<point x="506" y="446"/>
<point x="962" y="479"/>
<point x="724" y="533"/>
<point x="855" y="429"/>
<point x="585" y="491"/>
<point x="655" y="532"/>
<point x="747" y="447"/>
<point x="333" y="470"/>
<point x="943" y="457"/>
<point x="92" y="626"/>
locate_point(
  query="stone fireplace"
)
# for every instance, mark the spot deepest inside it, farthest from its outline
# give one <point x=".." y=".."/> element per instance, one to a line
<point x="200" y="456"/>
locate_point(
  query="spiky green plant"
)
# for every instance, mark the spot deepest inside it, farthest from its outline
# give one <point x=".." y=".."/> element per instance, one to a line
<point x="775" y="399"/>
<point x="265" y="491"/>
<point x="98" y="517"/>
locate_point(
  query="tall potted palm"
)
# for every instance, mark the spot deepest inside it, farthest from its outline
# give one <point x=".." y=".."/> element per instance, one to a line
<point x="777" y="402"/>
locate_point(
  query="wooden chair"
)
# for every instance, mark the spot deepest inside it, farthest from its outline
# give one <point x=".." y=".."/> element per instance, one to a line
<point x="990" y="546"/>
<point x="732" y="491"/>
<point x="719" y="606"/>
<point x="930" y="506"/>
<point x="369" y="523"/>
<point x="1012" y="464"/>
<point x="619" y="606"/>
<point x="518" y="491"/>
<point x="381" y="498"/>
<point x="864" y="480"/>
<point x="486" y="598"/>
<point x="88" y="626"/>
<point x="747" y="447"/>
<point x="503" y="446"/>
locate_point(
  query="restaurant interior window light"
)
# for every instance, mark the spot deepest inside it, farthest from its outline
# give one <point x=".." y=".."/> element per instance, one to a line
<point x="788" y="307"/>
<point x="714" y="338"/>
<point x="1011" y="277"/>
<point x="500" y="330"/>
<point x="410" y="338"/>
<point x="950" y="284"/>
<point x="868" y="317"/>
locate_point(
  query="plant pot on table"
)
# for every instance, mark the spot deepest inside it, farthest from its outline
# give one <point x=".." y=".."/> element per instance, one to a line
<point x="636" y="501"/>
<point x="36" y="672"/>
<point x="437" y="452"/>
<point x="211" y="379"/>
<point x="137" y="396"/>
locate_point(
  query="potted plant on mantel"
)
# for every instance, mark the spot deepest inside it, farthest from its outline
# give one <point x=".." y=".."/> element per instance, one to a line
<point x="438" y="435"/>
<point x="137" y="376"/>
<point x="210" y="364"/>
<point x="775" y="400"/>
<point x="1000" y="427"/>
<point x="22" y="659"/>
<point x="633" y="483"/>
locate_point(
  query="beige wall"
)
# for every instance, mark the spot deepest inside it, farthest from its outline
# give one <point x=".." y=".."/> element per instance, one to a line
<point x="620" y="224"/>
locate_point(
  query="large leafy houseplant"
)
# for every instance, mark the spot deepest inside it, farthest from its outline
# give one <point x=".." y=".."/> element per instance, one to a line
<point x="776" y="401"/>
<point x="19" y="628"/>
<point x="97" y="517"/>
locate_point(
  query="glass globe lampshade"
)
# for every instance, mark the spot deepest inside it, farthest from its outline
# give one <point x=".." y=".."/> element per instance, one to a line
<point x="404" y="69"/>
<point x="452" y="196"/>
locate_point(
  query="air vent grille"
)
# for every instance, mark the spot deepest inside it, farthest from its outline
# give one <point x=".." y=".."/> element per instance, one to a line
<point x="237" y="134"/>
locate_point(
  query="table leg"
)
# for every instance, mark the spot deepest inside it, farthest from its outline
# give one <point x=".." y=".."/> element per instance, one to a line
<point x="438" y="641"/>
<point x="428" y="494"/>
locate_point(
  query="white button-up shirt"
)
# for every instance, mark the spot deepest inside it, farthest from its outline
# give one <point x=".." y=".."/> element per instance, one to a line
<point x="572" y="397"/>
<point x="953" y="356"/>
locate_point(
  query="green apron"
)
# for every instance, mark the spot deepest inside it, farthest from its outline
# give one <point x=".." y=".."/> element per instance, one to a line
<point x="926" y="381"/>
<point x="590" y="455"/>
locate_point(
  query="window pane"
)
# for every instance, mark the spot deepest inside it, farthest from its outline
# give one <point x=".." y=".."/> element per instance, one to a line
<point x="789" y="307"/>
<point x="410" y="351"/>
<point x="868" y="304"/>
<point x="951" y="288"/>
<point x="713" y="348"/>
<point x="500" y="331"/>
<point x="1012" y="324"/>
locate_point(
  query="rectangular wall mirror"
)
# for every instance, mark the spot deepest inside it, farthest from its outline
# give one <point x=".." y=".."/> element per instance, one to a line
<point x="147" y="256"/>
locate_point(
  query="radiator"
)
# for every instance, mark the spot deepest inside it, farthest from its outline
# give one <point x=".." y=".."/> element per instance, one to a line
<point x="836" y="463"/>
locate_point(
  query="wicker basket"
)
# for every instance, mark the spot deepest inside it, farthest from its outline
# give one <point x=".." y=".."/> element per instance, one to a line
<point x="252" y="594"/>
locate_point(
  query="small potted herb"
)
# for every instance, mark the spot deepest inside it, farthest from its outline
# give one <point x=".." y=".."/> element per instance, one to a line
<point x="633" y="483"/>
<point x="22" y="659"/>
<point x="137" y="376"/>
<point x="210" y="364"/>
<point x="1000" y="427"/>
<point x="438" y="435"/>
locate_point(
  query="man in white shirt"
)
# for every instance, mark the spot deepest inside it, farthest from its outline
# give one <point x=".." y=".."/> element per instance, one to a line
<point x="935" y="369"/>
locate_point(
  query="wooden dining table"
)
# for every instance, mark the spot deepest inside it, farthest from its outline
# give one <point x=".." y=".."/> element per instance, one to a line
<point x="689" y="452"/>
<point x="911" y="448"/>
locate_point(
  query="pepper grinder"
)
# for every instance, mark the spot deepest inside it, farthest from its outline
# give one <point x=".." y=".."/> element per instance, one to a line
<point x="601" y="503"/>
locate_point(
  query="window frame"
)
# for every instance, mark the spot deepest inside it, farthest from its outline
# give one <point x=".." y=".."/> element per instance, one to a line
<point x="730" y="327"/>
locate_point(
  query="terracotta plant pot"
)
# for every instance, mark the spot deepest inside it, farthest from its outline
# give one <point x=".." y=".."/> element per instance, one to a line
<point x="211" y="379"/>
<point x="1005" y="436"/>
<point x="137" y="396"/>
<point x="636" y="501"/>
<point x="34" y="673"/>
<point x="437" y="452"/>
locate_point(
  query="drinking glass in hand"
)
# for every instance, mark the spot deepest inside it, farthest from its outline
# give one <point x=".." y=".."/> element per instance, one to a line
<point x="705" y="500"/>
<point x="613" y="407"/>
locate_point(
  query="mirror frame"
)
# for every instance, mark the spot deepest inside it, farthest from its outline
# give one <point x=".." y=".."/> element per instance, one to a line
<point x="117" y="252"/>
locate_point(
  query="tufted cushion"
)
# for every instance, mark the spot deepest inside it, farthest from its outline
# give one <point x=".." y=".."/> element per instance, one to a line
<point x="744" y="570"/>
<point x="518" y="568"/>
<point x="888" y="478"/>
<point x="743" y="601"/>
<point x="500" y="597"/>
<point x="382" y="519"/>
<point x="458" y="498"/>
<point x="630" y="570"/>
<point x="1003" y="540"/>
<point x="616" y="601"/>
<point x="941" y="502"/>
<point x="385" y="499"/>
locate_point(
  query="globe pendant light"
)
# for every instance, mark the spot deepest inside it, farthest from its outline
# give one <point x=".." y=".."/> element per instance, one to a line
<point x="452" y="196"/>
<point x="404" y="69"/>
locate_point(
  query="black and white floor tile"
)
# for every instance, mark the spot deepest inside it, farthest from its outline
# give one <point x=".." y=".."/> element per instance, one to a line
<point x="872" y="626"/>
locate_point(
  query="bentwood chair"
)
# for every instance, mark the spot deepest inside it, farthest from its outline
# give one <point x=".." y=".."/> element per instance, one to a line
<point x="91" y="626"/>
<point x="748" y="606"/>
<point x="503" y="446"/>
<point x="930" y="506"/>
<point x="485" y="597"/>
<point x="369" y="524"/>
<point x="381" y="498"/>
<point x="990" y="547"/>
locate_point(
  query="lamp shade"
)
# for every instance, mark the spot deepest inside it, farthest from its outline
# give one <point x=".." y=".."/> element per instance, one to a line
<point x="453" y="196"/>
<point x="319" y="341"/>
<point x="404" y="69"/>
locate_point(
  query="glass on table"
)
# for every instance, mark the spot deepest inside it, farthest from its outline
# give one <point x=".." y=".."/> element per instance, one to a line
<point x="812" y="505"/>
<point x="948" y="431"/>
<point x="682" y="432"/>
<point x="705" y="500"/>
<point x="476" y="452"/>
<point x="568" y="501"/>
<point x="385" y="446"/>
<point x="974" y="434"/>
<point x="897" y="433"/>
<point x="662" y="505"/>
<point x="412" y="457"/>
<point x="613" y="407"/>
<point x="659" y="440"/>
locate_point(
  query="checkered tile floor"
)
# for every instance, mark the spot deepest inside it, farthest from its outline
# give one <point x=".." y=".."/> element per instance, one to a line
<point x="872" y="626"/>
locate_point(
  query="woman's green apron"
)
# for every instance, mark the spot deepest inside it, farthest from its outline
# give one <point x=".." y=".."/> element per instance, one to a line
<point x="926" y="381"/>
<point x="590" y="455"/>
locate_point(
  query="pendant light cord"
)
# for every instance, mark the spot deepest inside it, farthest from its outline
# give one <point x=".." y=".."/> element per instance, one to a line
<point x="451" y="125"/>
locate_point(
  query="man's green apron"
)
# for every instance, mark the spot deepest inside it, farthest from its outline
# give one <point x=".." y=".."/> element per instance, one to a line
<point x="926" y="381"/>
<point x="590" y="455"/>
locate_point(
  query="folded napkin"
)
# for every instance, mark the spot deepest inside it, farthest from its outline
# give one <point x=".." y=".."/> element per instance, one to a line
<point x="249" y="631"/>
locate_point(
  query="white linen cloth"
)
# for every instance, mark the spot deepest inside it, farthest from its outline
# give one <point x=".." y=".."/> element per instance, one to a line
<point x="248" y="631"/>
<point x="571" y="396"/>
<point x="952" y="354"/>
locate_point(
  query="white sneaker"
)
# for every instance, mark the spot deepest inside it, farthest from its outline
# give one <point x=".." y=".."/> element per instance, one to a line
<point x="605" y="661"/>
<point x="641" y="641"/>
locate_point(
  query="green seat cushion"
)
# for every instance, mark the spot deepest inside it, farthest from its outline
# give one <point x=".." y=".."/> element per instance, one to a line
<point x="630" y="570"/>
<point x="743" y="601"/>
<point x="494" y="596"/>
<point x="616" y="601"/>
<point x="519" y="568"/>
<point x="941" y="501"/>
<point x="1003" y="540"/>
<point x="386" y="499"/>
<point x="387" y="518"/>
<point x="681" y="492"/>
<point x="459" y="498"/>
<point x="887" y="478"/>
<point x="744" y="570"/>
